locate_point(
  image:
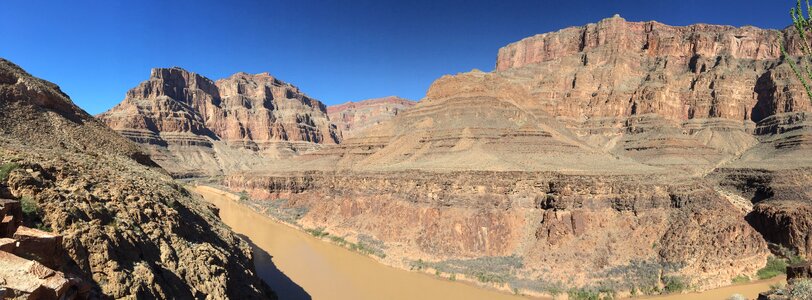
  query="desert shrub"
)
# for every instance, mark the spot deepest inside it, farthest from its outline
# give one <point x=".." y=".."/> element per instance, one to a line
<point x="366" y="249"/>
<point x="418" y="265"/>
<point x="371" y="241"/>
<point x="539" y="284"/>
<point x="801" y="289"/>
<point x="493" y="264"/>
<point x="674" y="284"/>
<point x="30" y="206"/>
<point x="775" y="266"/>
<point x="5" y="170"/>
<point x="487" y="277"/>
<point x="802" y="27"/>
<point x="244" y="196"/>
<point x="32" y="213"/>
<point x="642" y="276"/>
<point x="736" y="297"/>
<point x="740" y="279"/>
<point x="279" y="209"/>
<point x="791" y="256"/>
<point x="590" y="294"/>
<point x="317" y="232"/>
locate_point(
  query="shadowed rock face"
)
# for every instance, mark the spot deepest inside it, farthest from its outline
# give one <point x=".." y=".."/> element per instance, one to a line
<point x="122" y="224"/>
<point x="608" y="154"/>
<point x="354" y="117"/>
<point x="194" y="126"/>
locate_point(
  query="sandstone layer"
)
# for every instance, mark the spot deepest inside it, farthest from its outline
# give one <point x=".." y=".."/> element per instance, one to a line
<point x="354" y="117"/>
<point x="620" y="156"/>
<point x="124" y="226"/>
<point x="193" y="126"/>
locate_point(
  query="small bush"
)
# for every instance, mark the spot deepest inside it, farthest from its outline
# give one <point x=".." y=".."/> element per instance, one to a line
<point x="453" y="277"/>
<point x="801" y="289"/>
<point x="674" y="284"/>
<point x="244" y="196"/>
<point x="318" y="232"/>
<point x="775" y="266"/>
<point x="489" y="277"/>
<point x="736" y="297"/>
<point x="740" y="279"/>
<point x="6" y="169"/>
<point x="338" y="240"/>
<point x="29" y="206"/>
<point x="419" y="265"/>
<point x="584" y="294"/>
<point x="791" y="255"/>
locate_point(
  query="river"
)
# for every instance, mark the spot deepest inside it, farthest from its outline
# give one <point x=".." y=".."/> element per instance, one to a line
<point x="299" y="266"/>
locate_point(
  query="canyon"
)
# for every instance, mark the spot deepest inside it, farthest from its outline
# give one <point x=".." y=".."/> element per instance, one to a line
<point x="615" y="158"/>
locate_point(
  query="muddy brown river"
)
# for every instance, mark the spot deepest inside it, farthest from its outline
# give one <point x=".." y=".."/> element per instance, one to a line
<point x="299" y="266"/>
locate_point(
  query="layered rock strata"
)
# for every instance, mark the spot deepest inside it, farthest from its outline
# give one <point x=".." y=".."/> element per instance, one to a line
<point x="354" y="117"/>
<point x="613" y="156"/>
<point x="194" y="126"/>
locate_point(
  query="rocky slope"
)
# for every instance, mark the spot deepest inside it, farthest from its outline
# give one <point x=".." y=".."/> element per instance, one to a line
<point x="194" y="126"/>
<point x="127" y="229"/>
<point x="613" y="156"/>
<point x="354" y="117"/>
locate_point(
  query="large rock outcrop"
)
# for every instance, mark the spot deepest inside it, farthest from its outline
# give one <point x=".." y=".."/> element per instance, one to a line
<point x="612" y="156"/>
<point x="194" y="126"/>
<point x="354" y="117"/>
<point x="118" y="222"/>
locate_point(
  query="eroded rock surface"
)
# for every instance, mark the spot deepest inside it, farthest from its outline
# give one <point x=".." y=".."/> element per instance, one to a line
<point x="116" y="221"/>
<point x="193" y="126"/>
<point x="354" y="117"/>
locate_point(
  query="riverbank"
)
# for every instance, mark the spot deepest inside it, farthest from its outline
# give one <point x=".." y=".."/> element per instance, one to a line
<point x="311" y="268"/>
<point x="308" y="268"/>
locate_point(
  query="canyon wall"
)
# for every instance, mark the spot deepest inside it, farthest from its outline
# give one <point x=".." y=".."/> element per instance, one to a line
<point x="193" y="126"/>
<point x="617" y="155"/>
<point x="354" y="117"/>
<point x="107" y="215"/>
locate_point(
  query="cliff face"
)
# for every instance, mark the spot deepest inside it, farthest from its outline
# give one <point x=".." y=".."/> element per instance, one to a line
<point x="195" y="126"/>
<point x="125" y="228"/>
<point x="354" y="117"/>
<point x="616" y="151"/>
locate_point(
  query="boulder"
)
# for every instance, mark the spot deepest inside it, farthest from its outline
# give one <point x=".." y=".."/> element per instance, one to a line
<point x="26" y="279"/>
<point x="39" y="245"/>
<point x="11" y="216"/>
<point x="799" y="271"/>
<point x="7" y="245"/>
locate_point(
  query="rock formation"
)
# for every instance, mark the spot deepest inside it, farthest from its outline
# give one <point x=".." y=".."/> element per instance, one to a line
<point x="613" y="156"/>
<point x="194" y="126"/>
<point x="354" y="117"/>
<point x="109" y="217"/>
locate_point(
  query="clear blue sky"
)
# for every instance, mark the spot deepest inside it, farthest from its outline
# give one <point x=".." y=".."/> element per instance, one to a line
<point x="335" y="51"/>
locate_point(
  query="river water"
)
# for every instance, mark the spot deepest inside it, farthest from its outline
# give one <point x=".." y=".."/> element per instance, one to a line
<point x="299" y="266"/>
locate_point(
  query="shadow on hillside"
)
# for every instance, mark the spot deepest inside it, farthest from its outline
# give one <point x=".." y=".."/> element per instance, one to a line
<point x="284" y="287"/>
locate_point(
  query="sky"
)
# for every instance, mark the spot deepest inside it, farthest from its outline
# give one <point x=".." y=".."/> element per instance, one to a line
<point x="335" y="51"/>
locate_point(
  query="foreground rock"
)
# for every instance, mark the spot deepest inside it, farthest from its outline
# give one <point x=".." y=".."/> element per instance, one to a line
<point x="116" y="221"/>
<point x="612" y="157"/>
<point x="354" y="117"/>
<point x="193" y="126"/>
